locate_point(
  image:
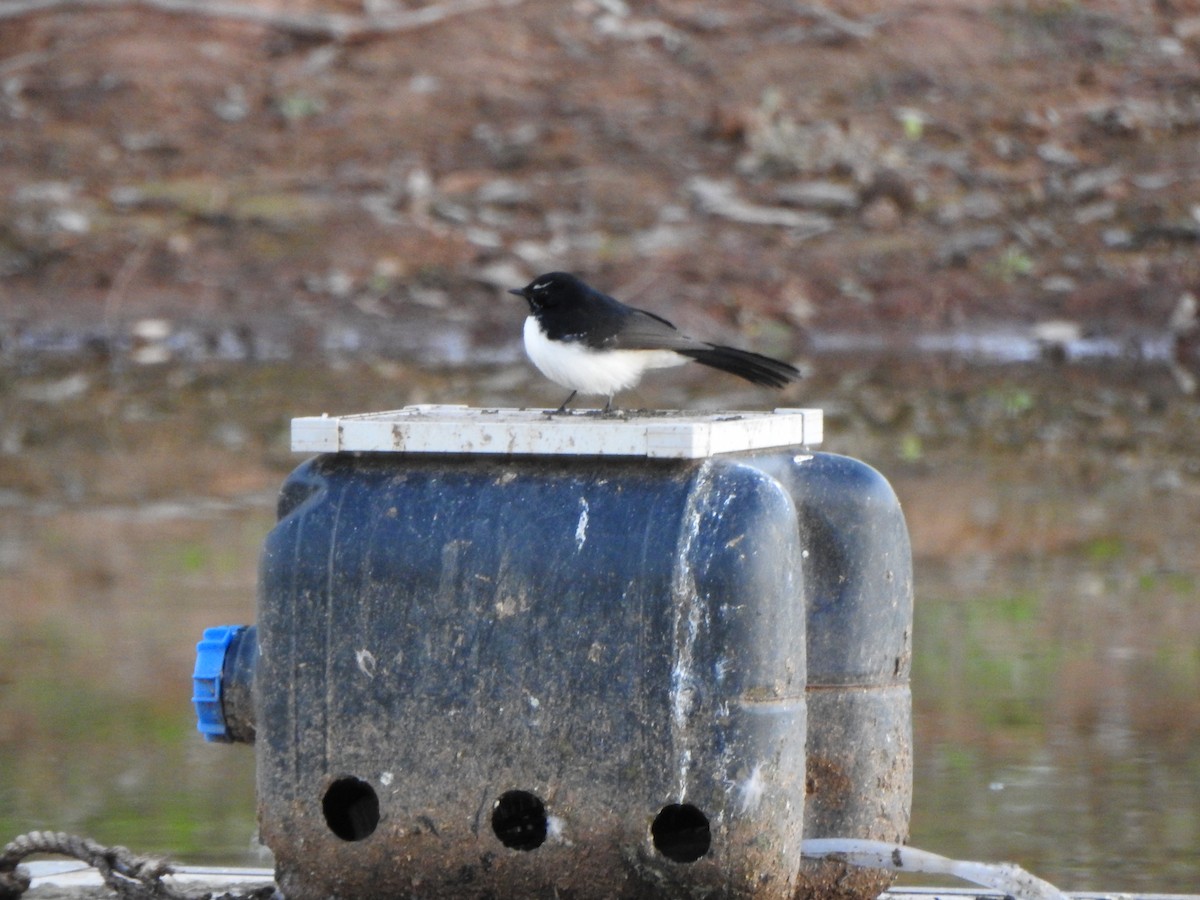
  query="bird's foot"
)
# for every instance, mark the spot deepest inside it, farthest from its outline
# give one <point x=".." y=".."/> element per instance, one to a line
<point x="562" y="410"/>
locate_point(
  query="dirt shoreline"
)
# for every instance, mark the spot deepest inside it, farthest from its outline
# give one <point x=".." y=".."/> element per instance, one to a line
<point x="764" y="169"/>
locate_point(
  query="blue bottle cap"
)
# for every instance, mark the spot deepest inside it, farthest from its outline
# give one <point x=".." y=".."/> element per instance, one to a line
<point x="206" y="681"/>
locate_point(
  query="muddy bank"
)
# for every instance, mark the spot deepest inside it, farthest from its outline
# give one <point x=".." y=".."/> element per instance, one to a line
<point x="771" y="170"/>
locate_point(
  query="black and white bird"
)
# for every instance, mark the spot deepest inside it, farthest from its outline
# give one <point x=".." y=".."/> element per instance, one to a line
<point x="590" y="343"/>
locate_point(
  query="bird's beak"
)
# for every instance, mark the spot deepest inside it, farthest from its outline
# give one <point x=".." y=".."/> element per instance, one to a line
<point x="524" y="293"/>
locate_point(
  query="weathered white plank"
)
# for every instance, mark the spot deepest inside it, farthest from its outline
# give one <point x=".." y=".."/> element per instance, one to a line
<point x="665" y="434"/>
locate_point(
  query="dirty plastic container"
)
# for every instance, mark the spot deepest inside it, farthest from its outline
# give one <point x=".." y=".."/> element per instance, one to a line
<point x="572" y="661"/>
<point x="859" y="597"/>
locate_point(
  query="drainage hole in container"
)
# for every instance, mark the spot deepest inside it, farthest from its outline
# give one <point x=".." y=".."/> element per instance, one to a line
<point x="681" y="833"/>
<point x="519" y="820"/>
<point x="351" y="809"/>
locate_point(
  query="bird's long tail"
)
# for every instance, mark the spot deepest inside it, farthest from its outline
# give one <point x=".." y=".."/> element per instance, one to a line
<point x="754" y="367"/>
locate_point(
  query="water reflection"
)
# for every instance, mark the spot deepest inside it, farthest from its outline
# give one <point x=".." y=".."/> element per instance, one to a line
<point x="102" y="607"/>
<point x="1053" y="514"/>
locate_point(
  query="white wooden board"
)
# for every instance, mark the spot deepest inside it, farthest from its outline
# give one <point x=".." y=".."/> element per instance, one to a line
<point x="665" y="434"/>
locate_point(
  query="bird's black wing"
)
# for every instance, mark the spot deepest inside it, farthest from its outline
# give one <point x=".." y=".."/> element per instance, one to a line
<point x="643" y="330"/>
<point x="646" y="331"/>
<point x="593" y="319"/>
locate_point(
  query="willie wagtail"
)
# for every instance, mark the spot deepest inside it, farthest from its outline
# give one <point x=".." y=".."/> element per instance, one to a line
<point x="590" y="343"/>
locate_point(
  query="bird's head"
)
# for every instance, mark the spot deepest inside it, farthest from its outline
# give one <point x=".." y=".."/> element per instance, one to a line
<point x="549" y="290"/>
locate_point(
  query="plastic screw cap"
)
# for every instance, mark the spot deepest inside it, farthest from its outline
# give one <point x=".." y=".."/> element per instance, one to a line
<point x="206" y="681"/>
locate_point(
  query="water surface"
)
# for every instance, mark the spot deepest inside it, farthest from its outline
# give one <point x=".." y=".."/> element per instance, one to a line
<point x="1053" y="510"/>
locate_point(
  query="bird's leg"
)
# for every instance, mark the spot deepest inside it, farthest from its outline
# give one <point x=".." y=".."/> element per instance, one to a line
<point x="608" y="408"/>
<point x="562" y="410"/>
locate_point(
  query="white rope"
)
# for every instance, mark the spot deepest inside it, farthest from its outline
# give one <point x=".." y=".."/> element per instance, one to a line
<point x="1011" y="879"/>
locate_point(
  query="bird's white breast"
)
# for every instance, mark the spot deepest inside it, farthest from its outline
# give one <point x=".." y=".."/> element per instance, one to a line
<point x="581" y="368"/>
